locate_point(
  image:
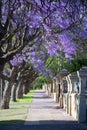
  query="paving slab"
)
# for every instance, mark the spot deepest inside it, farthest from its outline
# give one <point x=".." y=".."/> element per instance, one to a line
<point x="44" y="112"/>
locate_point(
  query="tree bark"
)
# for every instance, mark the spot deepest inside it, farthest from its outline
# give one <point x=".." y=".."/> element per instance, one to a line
<point x="13" y="93"/>
<point x="7" y="91"/>
<point x="19" y="93"/>
<point x="26" y="89"/>
<point x="6" y="96"/>
<point x="1" y="91"/>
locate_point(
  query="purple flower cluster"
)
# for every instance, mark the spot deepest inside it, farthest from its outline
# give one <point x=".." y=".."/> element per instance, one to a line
<point x="18" y="59"/>
<point x="52" y="48"/>
<point x="68" y="46"/>
<point x="51" y="25"/>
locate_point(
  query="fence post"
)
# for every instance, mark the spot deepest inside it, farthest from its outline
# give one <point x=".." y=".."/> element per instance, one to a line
<point x="82" y="75"/>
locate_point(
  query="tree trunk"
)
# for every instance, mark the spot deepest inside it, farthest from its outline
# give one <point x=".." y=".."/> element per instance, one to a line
<point x="1" y="82"/>
<point x="1" y="91"/>
<point x="19" y="93"/>
<point x="6" y="96"/>
<point x="7" y="91"/>
<point x="13" y="93"/>
<point x="25" y="89"/>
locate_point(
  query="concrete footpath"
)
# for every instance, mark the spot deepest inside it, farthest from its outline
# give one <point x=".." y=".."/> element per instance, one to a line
<point x="43" y="111"/>
<point x="45" y="114"/>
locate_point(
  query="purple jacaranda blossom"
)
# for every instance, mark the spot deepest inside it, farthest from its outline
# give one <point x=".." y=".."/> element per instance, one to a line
<point x="45" y="19"/>
<point x="68" y="46"/>
<point x="18" y="59"/>
<point x="52" y="48"/>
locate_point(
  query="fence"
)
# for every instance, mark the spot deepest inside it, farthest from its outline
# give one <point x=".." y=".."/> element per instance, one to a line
<point x="69" y="90"/>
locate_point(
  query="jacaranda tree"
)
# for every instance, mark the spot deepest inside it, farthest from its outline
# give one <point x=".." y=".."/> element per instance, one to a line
<point x="32" y="31"/>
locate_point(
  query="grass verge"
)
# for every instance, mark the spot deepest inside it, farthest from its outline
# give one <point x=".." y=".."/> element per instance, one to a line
<point x="17" y="112"/>
<point x="26" y="98"/>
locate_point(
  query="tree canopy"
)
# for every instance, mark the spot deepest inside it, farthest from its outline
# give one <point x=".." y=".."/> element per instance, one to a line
<point x="33" y="31"/>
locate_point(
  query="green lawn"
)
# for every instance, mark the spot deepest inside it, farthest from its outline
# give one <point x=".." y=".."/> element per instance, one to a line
<point x="26" y="98"/>
<point x="17" y="112"/>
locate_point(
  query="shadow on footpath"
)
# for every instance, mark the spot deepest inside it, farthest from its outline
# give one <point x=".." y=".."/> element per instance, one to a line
<point x="42" y="97"/>
<point x="42" y="125"/>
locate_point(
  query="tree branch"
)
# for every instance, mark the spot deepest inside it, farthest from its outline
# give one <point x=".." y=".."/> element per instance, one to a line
<point x="4" y="77"/>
